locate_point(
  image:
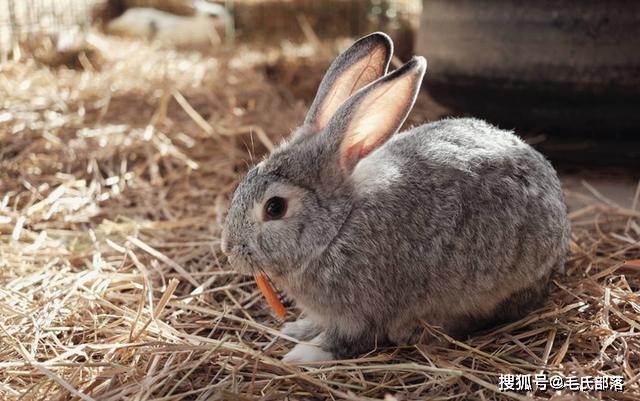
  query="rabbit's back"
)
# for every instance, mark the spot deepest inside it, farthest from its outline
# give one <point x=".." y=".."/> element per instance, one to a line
<point x="466" y="144"/>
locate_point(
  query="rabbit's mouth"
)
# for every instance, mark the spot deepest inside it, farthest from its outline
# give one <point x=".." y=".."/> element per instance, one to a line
<point x="242" y="264"/>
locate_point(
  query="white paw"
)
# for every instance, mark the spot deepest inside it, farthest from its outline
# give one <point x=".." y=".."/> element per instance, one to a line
<point x="303" y="353"/>
<point x="301" y="329"/>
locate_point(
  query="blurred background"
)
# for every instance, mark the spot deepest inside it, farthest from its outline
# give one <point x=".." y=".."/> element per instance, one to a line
<point x="564" y="74"/>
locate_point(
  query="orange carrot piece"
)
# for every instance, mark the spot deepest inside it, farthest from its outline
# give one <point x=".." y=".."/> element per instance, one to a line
<point x="270" y="295"/>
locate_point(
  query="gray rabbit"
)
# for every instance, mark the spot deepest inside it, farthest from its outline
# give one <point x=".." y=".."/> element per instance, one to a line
<point x="456" y="223"/>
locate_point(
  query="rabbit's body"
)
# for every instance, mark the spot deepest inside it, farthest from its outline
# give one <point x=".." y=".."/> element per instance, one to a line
<point x="482" y="220"/>
<point x="455" y="222"/>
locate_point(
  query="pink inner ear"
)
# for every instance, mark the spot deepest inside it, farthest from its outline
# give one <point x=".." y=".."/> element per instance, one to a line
<point x="377" y="117"/>
<point x="354" y="152"/>
<point x="353" y="78"/>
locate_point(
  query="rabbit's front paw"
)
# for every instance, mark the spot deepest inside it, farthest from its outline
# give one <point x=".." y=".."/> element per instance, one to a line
<point x="302" y="329"/>
<point x="303" y="353"/>
<point x="309" y="352"/>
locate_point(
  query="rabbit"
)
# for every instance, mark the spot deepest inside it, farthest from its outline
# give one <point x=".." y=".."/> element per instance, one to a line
<point x="171" y="29"/>
<point x="455" y="223"/>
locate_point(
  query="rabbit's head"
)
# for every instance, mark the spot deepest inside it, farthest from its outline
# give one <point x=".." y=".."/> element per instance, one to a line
<point x="291" y="206"/>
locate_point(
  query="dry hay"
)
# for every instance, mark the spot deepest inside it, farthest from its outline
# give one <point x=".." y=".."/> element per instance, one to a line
<point x="113" y="184"/>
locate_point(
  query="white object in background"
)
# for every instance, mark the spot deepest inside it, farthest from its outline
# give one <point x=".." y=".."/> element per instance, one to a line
<point x="172" y="29"/>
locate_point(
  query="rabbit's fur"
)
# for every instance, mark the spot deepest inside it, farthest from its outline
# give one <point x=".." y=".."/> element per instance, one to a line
<point x="456" y="223"/>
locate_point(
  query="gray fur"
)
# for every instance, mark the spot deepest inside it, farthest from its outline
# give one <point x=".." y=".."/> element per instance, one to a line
<point x="467" y="232"/>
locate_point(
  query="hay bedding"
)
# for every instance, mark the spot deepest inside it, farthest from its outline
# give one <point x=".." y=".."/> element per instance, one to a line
<point x="113" y="184"/>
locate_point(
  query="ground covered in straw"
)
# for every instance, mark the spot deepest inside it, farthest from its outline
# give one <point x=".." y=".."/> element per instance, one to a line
<point x="114" y="178"/>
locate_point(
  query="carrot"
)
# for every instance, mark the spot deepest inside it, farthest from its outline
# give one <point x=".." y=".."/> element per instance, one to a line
<point x="270" y="295"/>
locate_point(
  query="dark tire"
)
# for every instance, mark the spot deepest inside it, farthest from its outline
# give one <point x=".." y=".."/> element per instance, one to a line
<point x="554" y="65"/>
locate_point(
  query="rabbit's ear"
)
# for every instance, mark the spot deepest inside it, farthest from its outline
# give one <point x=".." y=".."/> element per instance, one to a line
<point x="362" y="63"/>
<point x="376" y="112"/>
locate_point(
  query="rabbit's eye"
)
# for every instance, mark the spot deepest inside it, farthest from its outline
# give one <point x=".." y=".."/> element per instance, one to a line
<point x="275" y="208"/>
